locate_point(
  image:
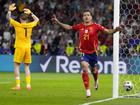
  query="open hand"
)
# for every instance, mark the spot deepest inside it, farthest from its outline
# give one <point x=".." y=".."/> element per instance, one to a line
<point x="27" y="11"/>
<point x="12" y="7"/>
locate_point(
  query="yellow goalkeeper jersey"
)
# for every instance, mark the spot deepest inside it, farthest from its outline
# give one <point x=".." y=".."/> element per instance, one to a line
<point x="23" y="33"/>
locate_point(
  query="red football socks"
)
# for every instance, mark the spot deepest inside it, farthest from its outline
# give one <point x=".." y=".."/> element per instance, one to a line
<point x="85" y="78"/>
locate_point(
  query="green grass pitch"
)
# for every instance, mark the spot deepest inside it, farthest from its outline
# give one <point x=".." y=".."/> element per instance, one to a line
<point x="57" y="89"/>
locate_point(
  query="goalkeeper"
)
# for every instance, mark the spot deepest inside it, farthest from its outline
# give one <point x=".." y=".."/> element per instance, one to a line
<point x="23" y="30"/>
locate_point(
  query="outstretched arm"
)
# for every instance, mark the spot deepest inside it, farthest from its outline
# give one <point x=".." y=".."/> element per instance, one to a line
<point x="112" y="31"/>
<point x="27" y="11"/>
<point x="65" y="26"/>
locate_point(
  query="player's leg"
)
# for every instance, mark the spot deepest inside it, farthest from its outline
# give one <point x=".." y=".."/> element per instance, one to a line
<point x="28" y="76"/>
<point x="18" y="55"/>
<point x="85" y="76"/>
<point x="27" y="61"/>
<point x="94" y="69"/>
<point x="17" y="76"/>
<point x="95" y="76"/>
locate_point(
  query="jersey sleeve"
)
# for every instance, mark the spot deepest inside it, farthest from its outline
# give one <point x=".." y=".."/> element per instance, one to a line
<point x="76" y="27"/>
<point x="14" y="22"/>
<point x="100" y="27"/>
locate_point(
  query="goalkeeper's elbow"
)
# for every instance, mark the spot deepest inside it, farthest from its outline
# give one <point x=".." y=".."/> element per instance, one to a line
<point x="37" y="20"/>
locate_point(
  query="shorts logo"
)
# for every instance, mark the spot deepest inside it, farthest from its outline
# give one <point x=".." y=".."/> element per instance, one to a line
<point x="86" y="31"/>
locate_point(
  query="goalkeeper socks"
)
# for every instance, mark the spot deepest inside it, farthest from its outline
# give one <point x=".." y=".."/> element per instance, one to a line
<point x="85" y="78"/>
<point x="18" y="81"/>
<point x="28" y="80"/>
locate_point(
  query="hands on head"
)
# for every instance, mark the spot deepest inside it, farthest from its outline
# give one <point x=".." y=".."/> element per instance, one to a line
<point x="12" y="7"/>
<point x="27" y="11"/>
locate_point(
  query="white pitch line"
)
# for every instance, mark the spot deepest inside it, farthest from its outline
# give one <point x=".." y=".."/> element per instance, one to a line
<point x="99" y="101"/>
<point x="5" y="82"/>
<point x="137" y="95"/>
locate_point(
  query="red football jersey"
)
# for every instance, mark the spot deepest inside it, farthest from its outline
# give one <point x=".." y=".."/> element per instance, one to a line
<point x="88" y="37"/>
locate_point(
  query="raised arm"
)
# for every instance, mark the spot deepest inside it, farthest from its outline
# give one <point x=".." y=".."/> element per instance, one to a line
<point x="9" y="15"/>
<point x="11" y="8"/>
<point x="65" y="26"/>
<point x="35" y="17"/>
<point x="27" y="11"/>
<point x="111" y="31"/>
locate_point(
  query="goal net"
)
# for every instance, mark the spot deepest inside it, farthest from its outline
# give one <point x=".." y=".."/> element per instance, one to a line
<point x="129" y="46"/>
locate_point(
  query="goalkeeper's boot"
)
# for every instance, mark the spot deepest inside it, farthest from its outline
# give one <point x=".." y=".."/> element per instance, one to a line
<point x="28" y="87"/>
<point x="88" y="93"/>
<point x="16" y="88"/>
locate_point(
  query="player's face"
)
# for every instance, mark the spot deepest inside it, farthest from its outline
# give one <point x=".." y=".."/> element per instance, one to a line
<point x="23" y="21"/>
<point x="87" y="17"/>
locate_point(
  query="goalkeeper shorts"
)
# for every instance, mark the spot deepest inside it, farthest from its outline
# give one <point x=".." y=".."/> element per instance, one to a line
<point x="22" y="54"/>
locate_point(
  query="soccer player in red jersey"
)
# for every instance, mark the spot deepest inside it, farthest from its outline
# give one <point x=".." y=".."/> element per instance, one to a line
<point x="88" y="43"/>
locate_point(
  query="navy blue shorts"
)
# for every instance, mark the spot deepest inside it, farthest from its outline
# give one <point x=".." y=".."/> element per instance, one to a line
<point x="92" y="59"/>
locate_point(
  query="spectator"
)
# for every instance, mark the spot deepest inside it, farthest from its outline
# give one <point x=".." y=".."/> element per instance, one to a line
<point x="69" y="48"/>
<point x="54" y="38"/>
<point x="37" y="47"/>
<point x="103" y="50"/>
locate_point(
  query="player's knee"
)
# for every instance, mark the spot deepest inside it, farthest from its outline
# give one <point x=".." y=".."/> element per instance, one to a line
<point x="85" y="68"/>
<point x="16" y="64"/>
<point x="85" y="71"/>
<point x="26" y="64"/>
<point x="95" y="70"/>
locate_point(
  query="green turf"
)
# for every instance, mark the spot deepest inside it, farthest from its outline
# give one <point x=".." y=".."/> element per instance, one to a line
<point x="57" y="89"/>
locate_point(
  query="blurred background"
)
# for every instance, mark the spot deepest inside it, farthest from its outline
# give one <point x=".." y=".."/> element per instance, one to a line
<point x="49" y="40"/>
<point x="49" y="37"/>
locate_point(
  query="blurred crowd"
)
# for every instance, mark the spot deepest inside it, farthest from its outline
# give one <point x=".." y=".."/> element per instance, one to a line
<point x="48" y="37"/>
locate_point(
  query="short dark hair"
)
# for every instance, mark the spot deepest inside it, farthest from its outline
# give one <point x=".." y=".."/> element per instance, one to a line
<point x="24" y="16"/>
<point x="87" y="10"/>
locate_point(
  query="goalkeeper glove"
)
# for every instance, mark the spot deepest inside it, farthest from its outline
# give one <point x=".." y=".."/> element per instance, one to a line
<point x="27" y="11"/>
<point x="12" y="7"/>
